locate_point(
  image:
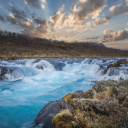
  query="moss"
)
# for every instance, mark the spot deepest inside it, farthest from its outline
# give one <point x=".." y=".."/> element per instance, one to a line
<point x="89" y="94"/>
<point x="68" y="97"/>
<point x="63" y="119"/>
<point x="62" y="124"/>
<point x="74" y="124"/>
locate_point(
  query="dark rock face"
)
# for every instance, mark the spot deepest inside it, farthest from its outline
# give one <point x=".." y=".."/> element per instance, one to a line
<point x="49" y="111"/>
<point x="40" y="67"/>
<point x="4" y="71"/>
<point x="50" y="108"/>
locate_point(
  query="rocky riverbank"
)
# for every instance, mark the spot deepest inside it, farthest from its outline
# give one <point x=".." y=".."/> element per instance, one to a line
<point x="104" y="106"/>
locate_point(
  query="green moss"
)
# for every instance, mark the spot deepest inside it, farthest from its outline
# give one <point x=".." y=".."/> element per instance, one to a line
<point x="74" y="124"/>
<point x="89" y="94"/>
<point x="68" y="97"/>
<point x="63" y="119"/>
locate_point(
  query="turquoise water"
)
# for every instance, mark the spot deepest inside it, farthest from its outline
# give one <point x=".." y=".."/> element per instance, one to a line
<point x="27" y="89"/>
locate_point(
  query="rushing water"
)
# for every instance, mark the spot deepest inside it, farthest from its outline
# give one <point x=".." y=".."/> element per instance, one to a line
<point x="32" y="83"/>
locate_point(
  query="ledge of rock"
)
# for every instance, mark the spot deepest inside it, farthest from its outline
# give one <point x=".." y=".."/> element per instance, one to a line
<point x="105" y="105"/>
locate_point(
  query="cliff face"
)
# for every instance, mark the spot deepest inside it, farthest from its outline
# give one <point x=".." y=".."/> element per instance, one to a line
<point x="104" y="106"/>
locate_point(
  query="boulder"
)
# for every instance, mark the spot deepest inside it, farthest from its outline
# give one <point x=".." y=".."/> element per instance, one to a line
<point x="5" y="70"/>
<point x="104" y="107"/>
<point x="51" y="108"/>
<point x="104" y="85"/>
<point x="121" y="90"/>
<point x="40" y="67"/>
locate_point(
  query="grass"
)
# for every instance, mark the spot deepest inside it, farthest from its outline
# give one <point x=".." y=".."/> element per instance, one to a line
<point x="10" y="49"/>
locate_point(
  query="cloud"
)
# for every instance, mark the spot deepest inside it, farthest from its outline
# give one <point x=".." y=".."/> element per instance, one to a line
<point x="43" y="1"/>
<point x="121" y="8"/>
<point x="86" y="9"/>
<point x="2" y="18"/>
<point x="18" y="14"/>
<point x="112" y="35"/>
<point x="11" y="15"/>
<point x="10" y="5"/>
<point x="42" y="6"/>
<point x="59" y="18"/>
<point x="127" y="23"/>
<point x="36" y="3"/>
<point x="105" y="20"/>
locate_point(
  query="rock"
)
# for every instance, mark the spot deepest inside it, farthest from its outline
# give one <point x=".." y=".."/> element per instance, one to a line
<point x="79" y="91"/>
<point x="48" y="121"/>
<point x="40" y="67"/>
<point x="70" y="96"/>
<point x="116" y="71"/>
<point x="51" y="108"/>
<point x="4" y="71"/>
<point x="64" y="119"/>
<point x="104" y="85"/>
<point x="104" y="107"/>
<point x="107" y="101"/>
<point x="117" y="64"/>
<point x="57" y="65"/>
<point x="121" y="90"/>
<point x="125" y="102"/>
<point x="89" y="94"/>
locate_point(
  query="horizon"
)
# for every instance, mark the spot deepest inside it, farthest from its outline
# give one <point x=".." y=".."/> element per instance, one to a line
<point x="75" y="20"/>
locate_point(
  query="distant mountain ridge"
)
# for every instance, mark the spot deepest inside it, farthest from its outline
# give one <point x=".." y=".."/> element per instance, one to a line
<point x="97" y="44"/>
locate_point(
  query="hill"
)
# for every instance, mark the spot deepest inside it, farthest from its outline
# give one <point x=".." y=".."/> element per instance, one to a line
<point x="15" y="45"/>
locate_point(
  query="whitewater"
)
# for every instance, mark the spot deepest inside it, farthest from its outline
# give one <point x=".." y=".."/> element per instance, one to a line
<point x="29" y="84"/>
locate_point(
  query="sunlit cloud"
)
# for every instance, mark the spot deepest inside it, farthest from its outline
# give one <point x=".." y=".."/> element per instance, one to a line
<point x="11" y="15"/>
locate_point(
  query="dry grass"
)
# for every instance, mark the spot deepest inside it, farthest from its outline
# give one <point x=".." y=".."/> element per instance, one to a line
<point x="104" y="94"/>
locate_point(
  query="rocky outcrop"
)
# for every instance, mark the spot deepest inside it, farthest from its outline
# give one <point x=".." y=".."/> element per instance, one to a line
<point x="50" y="110"/>
<point x="113" y="69"/>
<point x="5" y="70"/>
<point x="105" y="105"/>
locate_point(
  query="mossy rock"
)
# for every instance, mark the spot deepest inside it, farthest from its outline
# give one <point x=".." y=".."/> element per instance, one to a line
<point x="64" y="119"/>
<point x="89" y="94"/>
<point x="104" y="94"/>
<point x="74" y="124"/>
<point x="70" y="96"/>
<point x="62" y="124"/>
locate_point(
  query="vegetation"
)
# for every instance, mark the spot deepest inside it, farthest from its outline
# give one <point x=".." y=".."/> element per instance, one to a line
<point x="15" y="45"/>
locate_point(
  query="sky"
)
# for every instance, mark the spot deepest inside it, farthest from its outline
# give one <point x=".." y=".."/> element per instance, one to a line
<point x="101" y="21"/>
